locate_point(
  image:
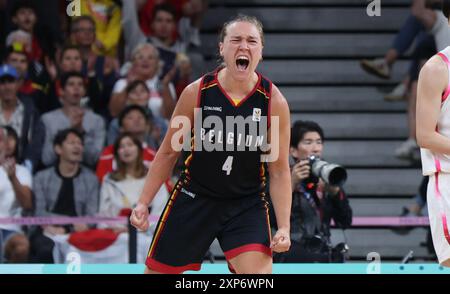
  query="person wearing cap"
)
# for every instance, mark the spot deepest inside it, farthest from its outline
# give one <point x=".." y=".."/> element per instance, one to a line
<point x="22" y="116"/>
<point x="31" y="83"/>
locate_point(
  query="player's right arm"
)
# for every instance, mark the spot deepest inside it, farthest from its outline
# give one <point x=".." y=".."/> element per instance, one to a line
<point x="433" y="80"/>
<point x="166" y="157"/>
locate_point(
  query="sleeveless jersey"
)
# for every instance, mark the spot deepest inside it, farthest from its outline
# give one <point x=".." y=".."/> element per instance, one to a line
<point x="433" y="162"/>
<point x="228" y="141"/>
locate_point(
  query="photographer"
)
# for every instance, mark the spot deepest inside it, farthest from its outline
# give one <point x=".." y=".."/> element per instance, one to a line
<point x="314" y="202"/>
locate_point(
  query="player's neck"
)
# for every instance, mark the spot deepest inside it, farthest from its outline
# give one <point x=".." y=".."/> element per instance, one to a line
<point x="236" y="87"/>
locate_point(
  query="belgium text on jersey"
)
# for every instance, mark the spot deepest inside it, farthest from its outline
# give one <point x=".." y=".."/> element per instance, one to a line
<point x="236" y="134"/>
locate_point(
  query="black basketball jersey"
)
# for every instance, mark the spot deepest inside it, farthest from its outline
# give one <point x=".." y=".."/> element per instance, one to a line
<point x="229" y="139"/>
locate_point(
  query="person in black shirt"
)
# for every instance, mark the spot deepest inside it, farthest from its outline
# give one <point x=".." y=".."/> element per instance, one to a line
<point x="65" y="189"/>
<point x="314" y="203"/>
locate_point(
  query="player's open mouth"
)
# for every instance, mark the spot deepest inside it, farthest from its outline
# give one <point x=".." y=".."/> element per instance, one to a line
<point x="242" y="62"/>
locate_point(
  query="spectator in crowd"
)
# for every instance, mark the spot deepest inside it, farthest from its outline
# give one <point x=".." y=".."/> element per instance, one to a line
<point x="174" y="52"/>
<point x="121" y="188"/>
<point x="17" y="57"/>
<point x="20" y="37"/>
<point x="314" y="203"/>
<point x="29" y="84"/>
<point x="25" y="18"/>
<point x="145" y="67"/>
<point x="191" y="10"/>
<point x="134" y="121"/>
<point x="73" y="115"/>
<point x="21" y="42"/>
<point x="70" y="61"/>
<point x="15" y="197"/>
<point x="107" y="16"/>
<point x="104" y="68"/>
<point x="165" y="28"/>
<point x="22" y="116"/>
<point x="418" y="26"/>
<point x="65" y="189"/>
<point x="429" y="27"/>
<point x="138" y="94"/>
<point x="41" y="50"/>
<point x="145" y="12"/>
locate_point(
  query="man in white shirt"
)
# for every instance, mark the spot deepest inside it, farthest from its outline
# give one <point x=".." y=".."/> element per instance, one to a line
<point x="15" y="195"/>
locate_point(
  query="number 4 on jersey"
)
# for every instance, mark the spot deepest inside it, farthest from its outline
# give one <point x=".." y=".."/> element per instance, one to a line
<point x="228" y="165"/>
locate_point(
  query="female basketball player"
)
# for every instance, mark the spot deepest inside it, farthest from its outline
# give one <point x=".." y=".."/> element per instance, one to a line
<point x="433" y="135"/>
<point x="221" y="194"/>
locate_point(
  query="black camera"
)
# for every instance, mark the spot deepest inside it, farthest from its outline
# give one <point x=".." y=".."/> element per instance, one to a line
<point x="330" y="173"/>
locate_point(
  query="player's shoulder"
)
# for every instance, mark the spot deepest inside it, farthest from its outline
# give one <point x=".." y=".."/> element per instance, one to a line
<point x="434" y="67"/>
<point x="193" y="87"/>
<point x="191" y="92"/>
<point x="278" y="99"/>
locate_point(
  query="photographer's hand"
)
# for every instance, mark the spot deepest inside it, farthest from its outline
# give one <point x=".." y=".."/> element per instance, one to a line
<point x="300" y="172"/>
<point x="333" y="190"/>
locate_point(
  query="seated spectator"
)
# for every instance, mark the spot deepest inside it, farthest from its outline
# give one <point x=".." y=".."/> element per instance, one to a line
<point x="65" y="189"/>
<point x="145" y="67"/>
<point x="121" y="188"/>
<point x="43" y="38"/>
<point x="104" y="68"/>
<point x="139" y="94"/>
<point x="73" y="115"/>
<point x="428" y="27"/>
<point x="30" y="85"/>
<point x="134" y="121"/>
<point x="175" y="52"/>
<point x="70" y="61"/>
<point x="25" y="18"/>
<point x="19" y="37"/>
<point x="164" y="30"/>
<point x="22" y="116"/>
<point x="107" y="16"/>
<point x="144" y="9"/>
<point x="416" y="27"/>
<point x="15" y="197"/>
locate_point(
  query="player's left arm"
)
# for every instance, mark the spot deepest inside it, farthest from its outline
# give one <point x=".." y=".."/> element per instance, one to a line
<point x="280" y="175"/>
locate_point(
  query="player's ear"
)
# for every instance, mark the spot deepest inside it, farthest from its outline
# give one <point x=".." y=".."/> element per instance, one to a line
<point x="221" y="49"/>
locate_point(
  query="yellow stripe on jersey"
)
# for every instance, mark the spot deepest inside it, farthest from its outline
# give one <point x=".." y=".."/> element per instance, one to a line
<point x="265" y="95"/>
<point x="163" y="220"/>
<point x="236" y="101"/>
<point x="209" y="86"/>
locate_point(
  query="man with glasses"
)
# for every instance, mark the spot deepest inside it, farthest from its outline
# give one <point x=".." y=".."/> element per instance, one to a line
<point x="104" y="68"/>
